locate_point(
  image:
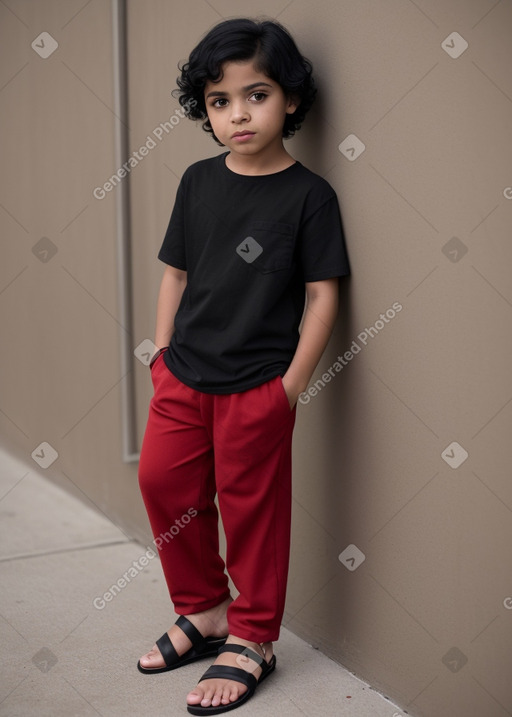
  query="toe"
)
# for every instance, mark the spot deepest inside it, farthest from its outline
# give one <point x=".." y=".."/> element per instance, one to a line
<point x="231" y="693"/>
<point x="217" y="696"/>
<point x="207" y="696"/>
<point x="195" y="696"/>
<point x="152" y="658"/>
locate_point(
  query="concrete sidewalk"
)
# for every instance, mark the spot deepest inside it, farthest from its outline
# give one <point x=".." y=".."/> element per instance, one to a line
<point x="65" y="652"/>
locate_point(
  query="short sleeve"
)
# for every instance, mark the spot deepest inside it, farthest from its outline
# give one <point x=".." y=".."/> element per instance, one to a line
<point x="322" y="249"/>
<point x="172" y="250"/>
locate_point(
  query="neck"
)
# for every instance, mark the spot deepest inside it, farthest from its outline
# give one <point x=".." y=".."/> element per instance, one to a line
<point x="255" y="164"/>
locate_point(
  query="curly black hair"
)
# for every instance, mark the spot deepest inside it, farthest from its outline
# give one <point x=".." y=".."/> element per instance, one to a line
<point x="274" y="53"/>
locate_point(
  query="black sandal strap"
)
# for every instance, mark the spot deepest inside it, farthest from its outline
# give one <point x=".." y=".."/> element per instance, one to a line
<point x="167" y="650"/>
<point x="193" y="634"/>
<point x="224" y="672"/>
<point x="243" y="650"/>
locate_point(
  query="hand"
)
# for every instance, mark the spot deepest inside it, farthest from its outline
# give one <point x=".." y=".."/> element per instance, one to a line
<point x="292" y="392"/>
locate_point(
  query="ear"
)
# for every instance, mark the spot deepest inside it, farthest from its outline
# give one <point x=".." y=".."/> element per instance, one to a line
<point x="293" y="101"/>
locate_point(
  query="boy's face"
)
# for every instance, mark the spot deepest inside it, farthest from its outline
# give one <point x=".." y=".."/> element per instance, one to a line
<point x="247" y="110"/>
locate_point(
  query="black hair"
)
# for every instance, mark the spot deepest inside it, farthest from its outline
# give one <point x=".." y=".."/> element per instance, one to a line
<point x="274" y="53"/>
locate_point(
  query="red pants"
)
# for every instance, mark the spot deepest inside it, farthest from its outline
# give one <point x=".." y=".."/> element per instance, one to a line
<point x="238" y="446"/>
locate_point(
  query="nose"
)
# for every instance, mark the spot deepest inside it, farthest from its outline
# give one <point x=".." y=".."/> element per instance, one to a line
<point x="239" y="112"/>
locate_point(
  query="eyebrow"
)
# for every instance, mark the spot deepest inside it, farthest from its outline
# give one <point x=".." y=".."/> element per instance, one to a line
<point x="217" y="93"/>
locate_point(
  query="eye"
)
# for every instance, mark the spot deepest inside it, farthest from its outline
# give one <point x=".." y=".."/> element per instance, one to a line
<point x="258" y="96"/>
<point x="219" y="102"/>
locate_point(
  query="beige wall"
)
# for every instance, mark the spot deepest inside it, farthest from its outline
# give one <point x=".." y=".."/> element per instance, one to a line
<point x="371" y="465"/>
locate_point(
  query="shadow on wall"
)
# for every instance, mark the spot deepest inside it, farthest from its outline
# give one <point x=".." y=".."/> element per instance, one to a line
<point x="338" y="453"/>
<point x="313" y="144"/>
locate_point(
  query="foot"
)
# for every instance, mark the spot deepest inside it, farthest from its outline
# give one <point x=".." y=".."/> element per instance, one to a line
<point x="210" y="623"/>
<point x="215" y="692"/>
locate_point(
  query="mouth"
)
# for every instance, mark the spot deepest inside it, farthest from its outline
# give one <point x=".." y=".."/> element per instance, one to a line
<point x="245" y="134"/>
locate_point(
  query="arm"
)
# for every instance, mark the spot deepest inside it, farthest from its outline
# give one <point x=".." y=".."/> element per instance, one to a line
<point x="172" y="287"/>
<point x="317" y="326"/>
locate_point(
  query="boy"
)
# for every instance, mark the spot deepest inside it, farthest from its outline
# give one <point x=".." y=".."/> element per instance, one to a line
<point x="251" y="234"/>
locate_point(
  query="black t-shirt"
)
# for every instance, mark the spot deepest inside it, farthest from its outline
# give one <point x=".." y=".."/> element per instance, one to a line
<point x="248" y="245"/>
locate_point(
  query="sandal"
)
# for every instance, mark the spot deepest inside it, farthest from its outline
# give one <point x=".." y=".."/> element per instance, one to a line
<point x="201" y="647"/>
<point x="234" y="673"/>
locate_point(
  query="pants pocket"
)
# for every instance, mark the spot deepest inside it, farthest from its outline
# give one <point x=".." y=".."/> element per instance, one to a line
<point x="156" y="357"/>
<point x="283" y="395"/>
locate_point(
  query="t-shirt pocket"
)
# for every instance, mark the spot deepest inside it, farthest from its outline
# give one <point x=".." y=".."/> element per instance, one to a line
<point x="268" y="246"/>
